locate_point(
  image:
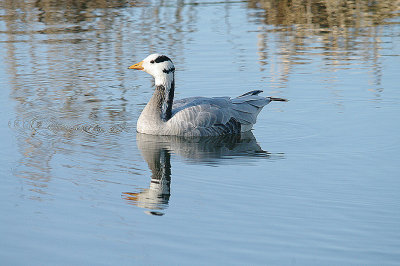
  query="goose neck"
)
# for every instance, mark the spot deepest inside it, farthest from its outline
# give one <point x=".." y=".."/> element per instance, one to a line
<point x="164" y="95"/>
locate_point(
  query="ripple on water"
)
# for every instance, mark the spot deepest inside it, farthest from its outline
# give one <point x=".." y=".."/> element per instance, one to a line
<point x="85" y="153"/>
<point x="55" y="126"/>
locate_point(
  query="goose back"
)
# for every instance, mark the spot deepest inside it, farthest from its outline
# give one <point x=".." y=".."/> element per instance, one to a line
<point x="201" y="116"/>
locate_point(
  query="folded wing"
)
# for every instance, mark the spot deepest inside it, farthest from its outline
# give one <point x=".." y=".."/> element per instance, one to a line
<point x="200" y="116"/>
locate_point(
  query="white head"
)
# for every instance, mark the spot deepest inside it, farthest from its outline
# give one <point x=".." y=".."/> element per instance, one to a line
<point x="163" y="71"/>
<point x="159" y="66"/>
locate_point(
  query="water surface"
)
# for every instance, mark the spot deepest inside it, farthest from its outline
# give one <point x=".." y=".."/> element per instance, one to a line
<point x="315" y="182"/>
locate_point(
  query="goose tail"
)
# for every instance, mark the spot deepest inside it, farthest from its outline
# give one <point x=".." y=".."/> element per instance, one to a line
<point x="274" y="99"/>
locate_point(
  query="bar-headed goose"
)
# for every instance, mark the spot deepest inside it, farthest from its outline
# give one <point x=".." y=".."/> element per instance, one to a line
<point x="195" y="116"/>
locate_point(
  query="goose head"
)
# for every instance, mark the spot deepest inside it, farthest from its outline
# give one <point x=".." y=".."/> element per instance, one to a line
<point x="157" y="65"/>
<point x="163" y="71"/>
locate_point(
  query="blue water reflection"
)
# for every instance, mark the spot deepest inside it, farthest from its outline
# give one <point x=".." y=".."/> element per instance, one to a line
<point x="156" y="151"/>
<point x="318" y="184"/>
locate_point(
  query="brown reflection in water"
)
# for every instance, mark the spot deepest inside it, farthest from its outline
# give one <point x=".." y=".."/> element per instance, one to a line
<point x="326" y="13"/>
<point x="66" y="62"/>
<point x="342" y="33"/>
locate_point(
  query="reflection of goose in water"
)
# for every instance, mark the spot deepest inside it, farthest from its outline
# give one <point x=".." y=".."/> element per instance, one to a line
<point x="155" y="197"/>
<point x="195" y="116"/>
<point x="157" y="150"/>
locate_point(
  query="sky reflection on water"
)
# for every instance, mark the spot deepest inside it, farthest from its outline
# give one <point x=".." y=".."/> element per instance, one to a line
<point x="317" y="183"/>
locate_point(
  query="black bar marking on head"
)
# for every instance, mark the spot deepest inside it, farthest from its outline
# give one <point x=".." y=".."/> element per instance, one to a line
<point x="162" y="58"/>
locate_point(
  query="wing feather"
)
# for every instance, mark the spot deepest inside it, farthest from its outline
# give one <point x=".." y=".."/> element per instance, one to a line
<point x="204" y="116"/>
<point x="201" y="116"/>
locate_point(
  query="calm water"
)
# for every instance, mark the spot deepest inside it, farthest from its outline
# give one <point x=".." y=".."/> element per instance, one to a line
<point x="317" y="181"/>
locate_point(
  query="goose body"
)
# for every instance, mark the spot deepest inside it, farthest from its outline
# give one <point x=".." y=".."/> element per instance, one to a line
<point x="195" y="116"/>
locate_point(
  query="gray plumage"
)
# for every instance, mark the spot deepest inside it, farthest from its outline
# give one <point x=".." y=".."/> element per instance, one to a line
<point x="195" y="116"/>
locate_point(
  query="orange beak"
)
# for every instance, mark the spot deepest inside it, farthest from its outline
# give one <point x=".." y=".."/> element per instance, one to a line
<point x="137" y="66"/>
<point x="131" y="196"/>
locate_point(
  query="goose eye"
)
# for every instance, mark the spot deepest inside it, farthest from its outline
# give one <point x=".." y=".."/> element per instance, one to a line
<point x="152" y="61"/>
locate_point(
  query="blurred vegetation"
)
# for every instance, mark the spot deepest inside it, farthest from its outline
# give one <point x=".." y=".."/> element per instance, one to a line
<point x="338" y="31"/>
<point x="327" y="13"/>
